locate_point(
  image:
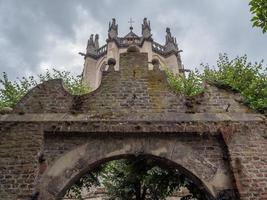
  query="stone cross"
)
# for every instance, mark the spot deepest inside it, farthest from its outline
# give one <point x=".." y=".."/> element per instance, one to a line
<point x="131" y="23"/>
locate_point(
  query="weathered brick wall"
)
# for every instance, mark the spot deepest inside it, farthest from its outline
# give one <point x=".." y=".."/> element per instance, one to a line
<point x="132" y="89"/>
<point x="208" y="147"/>
<point x="19" y="147"/>
<point x="137" y="101"/>
<point x="219" y="100"/>
<point x="49" y="97"/>
<point x="247" y="145"/>
<point x="203" y="155"/>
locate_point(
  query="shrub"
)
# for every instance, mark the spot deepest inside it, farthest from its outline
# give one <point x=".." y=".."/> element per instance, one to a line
<point x="12" y="91"/>
<point x="188" y="86"/>
<point x="248" y="79"/>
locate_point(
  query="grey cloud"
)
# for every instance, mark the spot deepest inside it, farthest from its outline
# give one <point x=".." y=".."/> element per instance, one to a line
<point x="24" y="27"/>
<point x="203" y="29"/>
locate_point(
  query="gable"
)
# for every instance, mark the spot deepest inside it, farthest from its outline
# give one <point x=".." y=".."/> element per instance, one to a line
<point x="132" y="92"/>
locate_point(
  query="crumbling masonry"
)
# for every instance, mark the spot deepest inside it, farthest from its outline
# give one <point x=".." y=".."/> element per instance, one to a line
<point x="52" y="138"/>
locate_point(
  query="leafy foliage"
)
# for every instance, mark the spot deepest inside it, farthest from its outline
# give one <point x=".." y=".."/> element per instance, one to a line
<point x="72" y="83"/>
<point x="259" y="10"/>
<point x="248" y="79"/>
<point x="144" y="179"/>
<point x="83" y="185"/>
<point x="139" y="178"/>
<point x="12" y="91"/>
<point x="188" y="86"/>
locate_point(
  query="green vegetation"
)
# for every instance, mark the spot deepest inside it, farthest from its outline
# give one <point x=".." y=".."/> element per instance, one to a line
<point x="188" y="86"/>
<point x="138" y="178"/>
<point x="259" y="10"/>
<point x="248" y="79"/>
<point x="145" y="179"/>
<point x="91" y="179"/>
<point x="12" y="91"/>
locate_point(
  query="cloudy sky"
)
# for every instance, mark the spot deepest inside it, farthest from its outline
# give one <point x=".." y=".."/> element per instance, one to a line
<point x="41" y="34"/>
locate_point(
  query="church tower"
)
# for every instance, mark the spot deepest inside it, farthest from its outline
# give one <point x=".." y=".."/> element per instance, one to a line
<point x="97" y="58"/>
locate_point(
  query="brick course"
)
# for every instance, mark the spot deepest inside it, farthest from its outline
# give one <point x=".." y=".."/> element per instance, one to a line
<point x="132" y="106"/>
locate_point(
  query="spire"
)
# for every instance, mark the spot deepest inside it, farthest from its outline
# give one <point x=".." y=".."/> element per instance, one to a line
<point x="96" y="41"/>
<point x="92" y="44"/>
<point x="113" y="29"/>
<point x="170" y="43"/>
<point x="146" y="30"/>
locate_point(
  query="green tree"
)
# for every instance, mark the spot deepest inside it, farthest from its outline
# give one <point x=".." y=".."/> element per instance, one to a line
<point x="84" y="184"/>
<point x="138" y="178"/>
<point x="248" y="79"/>
<point x="12" y="91"/>
<point x="259" y="10"/>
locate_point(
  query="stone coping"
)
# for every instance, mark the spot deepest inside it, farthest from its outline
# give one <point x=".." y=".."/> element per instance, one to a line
<point x="153" y="117"/>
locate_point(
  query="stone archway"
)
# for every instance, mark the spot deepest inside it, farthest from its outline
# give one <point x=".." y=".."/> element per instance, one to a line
<point x="163" y="163"/>
<point x="68" y="168"/>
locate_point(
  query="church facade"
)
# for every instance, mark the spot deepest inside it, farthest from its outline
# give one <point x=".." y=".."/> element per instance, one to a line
<point x="52" y="138"/>
<point x="97" y="58"/>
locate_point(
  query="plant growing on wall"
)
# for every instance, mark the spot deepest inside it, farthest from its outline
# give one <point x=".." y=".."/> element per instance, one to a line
<point x="188" y="86"/>
<point x="12" y="91"/>
<point x="248" y="79"/>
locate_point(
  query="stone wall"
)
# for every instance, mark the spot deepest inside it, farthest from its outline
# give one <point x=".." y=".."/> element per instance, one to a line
<point x="206" y="149"/>
<point x="134" y="110"/>
<point x="19" y="147"/>
<point x="247" y="146"/>
<point x="132" y="91"/>
<point x="202" y="155"/>
<point x="246" y="149"/>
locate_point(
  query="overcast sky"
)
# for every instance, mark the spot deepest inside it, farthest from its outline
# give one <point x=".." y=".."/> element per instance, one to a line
<point x="41" y="34"/>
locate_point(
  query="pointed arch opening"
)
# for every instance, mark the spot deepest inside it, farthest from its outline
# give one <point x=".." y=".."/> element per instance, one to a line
<point x="137" y="176"/>
<point x="66" y="170"/>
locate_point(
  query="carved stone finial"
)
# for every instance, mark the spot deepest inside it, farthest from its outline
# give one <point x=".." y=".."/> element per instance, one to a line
<point x="90" y="44"/>
<point x="169" y="38"/>
<point x="90" y="41"/>
<point x="170" y="43"/>
<point x="111" y="64"/>
<point x="112" y="25"/>
<point x="113" y="29"/>
<point x="146" y="29"/>
<point x="96" y="41"/>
